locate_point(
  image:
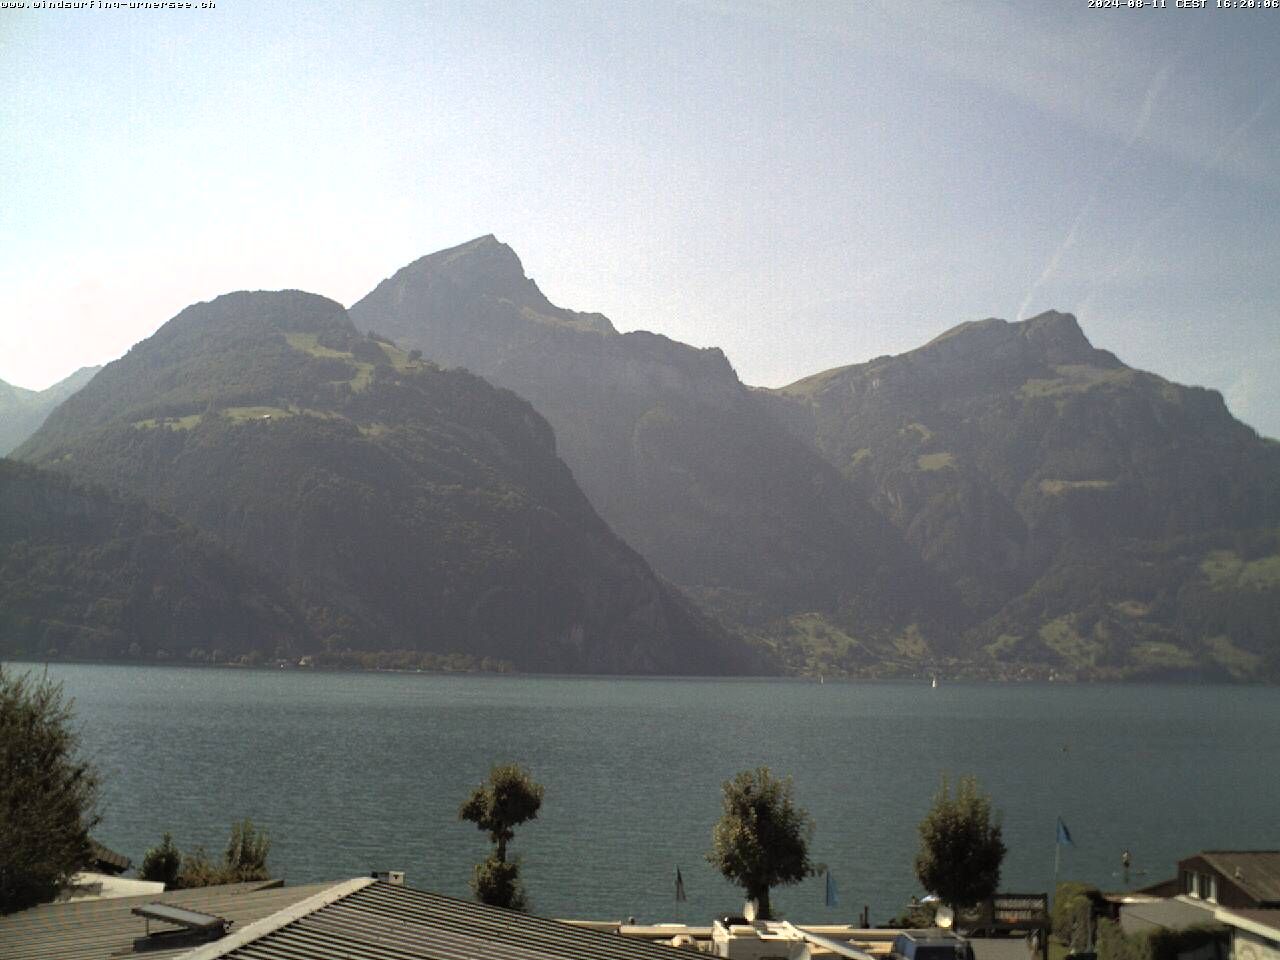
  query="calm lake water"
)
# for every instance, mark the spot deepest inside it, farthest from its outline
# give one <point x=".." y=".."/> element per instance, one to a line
<point x="351" y="772"/>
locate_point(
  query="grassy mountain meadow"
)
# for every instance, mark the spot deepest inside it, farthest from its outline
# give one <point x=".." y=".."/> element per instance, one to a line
<point x="402" y="506"/>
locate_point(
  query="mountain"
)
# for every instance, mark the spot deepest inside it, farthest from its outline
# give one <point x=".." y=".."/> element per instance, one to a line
<point x="404" y="506"/>
<point x="22" y="411"/>
<point x="85" y="573"/>
<point x="682" y="460"/>
<point x="1096" y="517"/>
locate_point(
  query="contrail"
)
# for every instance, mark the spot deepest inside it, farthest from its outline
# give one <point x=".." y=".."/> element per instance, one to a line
<point x="1142" y="243"/>
<point x="1154" y="88"/>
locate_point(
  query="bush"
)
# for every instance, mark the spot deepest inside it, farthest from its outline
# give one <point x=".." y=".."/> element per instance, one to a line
<point x="245" y="859"/>
<point x="246" y="856"/>
<point x="1115" y="944"/>
<point x="162" y="863"/>
<point x="199" y="871"/>
<point x="1070" y="917"/>
<point x="497" y="883"/>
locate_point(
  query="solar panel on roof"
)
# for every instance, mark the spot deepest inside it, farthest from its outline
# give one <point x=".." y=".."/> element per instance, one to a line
<point x="180" y="917"/>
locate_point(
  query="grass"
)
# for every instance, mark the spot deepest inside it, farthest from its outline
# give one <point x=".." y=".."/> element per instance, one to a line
<point x="169" y="423"/>
<point x="1054" y="488"/>
<point x="923" y="432"/>
<point x="935" y="461"/>
<point x="308" y="343"/>
<point x="1075" y="378"/>
<point x="1241" y="664"/>
<point x="1153" y="653"/>
<point x="911" y="644"/>
<point x="1227" y="570"/>
<point x="1002" y="645"/>
<point x="1062" y="638"/>
<point x="243" y="414"/>
<point x="1132" y="608"/>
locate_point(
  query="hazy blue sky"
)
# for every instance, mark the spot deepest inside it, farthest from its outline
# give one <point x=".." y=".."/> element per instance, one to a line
<point x="805" y="185"/>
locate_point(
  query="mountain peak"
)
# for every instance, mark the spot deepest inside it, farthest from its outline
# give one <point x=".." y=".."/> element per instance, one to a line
<point x="1051" y="337"/>
<point x="484" y="261"/>
<point x="256" y="311"/>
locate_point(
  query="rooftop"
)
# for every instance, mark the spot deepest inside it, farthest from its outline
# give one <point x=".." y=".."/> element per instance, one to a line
<point x="367" y="920"/>
<point x="1256" y="872"/>
<point x="102" y="929"/>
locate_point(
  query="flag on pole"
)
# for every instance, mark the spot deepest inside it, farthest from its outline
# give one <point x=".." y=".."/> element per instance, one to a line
<point x="680" y="897"/>
<point x="1064" y="835"/>
<point x="833" y="895"/>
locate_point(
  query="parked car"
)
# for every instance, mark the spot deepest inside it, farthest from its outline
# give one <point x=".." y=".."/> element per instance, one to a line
<point x="935" y="944"/>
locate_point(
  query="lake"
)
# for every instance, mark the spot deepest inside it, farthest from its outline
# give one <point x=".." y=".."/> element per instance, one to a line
<point x="355" y="771"/>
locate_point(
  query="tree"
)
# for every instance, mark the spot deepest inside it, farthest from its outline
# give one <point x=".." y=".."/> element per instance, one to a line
<point x="507" y="799"/>
<point x="48" y="794"/>
<point x="246" y="856"/>
<point x="960" y="846"/>
<point x="162" y="863"/>
<point x="762" y="838"/>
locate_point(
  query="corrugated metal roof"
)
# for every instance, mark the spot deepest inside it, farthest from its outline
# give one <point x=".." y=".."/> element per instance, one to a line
<point x="1257" y="872"/>
<point x="385" y="922"/>
<point x="99" y="929"/>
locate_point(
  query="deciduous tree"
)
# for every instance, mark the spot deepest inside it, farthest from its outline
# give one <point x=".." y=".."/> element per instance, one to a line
<point x="961" y="848"/>
<point x="507" y="799"/>
<point x="762" y="838"/>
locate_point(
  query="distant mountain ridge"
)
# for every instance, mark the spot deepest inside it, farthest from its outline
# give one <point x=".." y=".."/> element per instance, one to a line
<point x="1006" y="500"/>
<point x="680" y="458"/>
<point x="1086" y="510"/>
<point x="1031" y="483"/>
<point x="22" y="411"/>
<point x="404" y="507"/>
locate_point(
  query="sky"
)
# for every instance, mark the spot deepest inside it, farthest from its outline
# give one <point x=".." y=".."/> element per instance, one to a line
<point x="805" y="185"/>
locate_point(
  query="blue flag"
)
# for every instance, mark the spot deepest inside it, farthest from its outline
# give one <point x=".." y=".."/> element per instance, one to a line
<point x="1064" y="835"/>
<point x="679" y="887"/>
<point x="833" y="895"/>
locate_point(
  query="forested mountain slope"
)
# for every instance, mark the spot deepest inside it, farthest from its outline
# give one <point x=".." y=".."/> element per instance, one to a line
<point x="1096" y="516"/>
<point x="404" y="506"/>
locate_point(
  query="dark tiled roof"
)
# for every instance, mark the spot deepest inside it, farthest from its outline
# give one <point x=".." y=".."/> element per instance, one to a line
<point x="107" y="860"/>
<point x="383" y="922"/>
<point x="1256" y="872"/>
<point x="101" y="929"/>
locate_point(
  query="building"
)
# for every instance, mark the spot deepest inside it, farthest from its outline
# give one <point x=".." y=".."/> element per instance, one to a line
<point x="1237" y="879"/>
